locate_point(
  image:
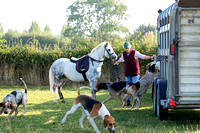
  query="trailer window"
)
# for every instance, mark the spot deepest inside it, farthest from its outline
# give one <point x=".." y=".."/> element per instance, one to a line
<point x="165" y="20"/>
<point x="160" y="23"/>
<point x="168" y="19"/>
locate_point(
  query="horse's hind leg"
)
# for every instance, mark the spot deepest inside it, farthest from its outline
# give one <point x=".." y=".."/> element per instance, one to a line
<point x="62" y="82"/>
<point x="56" y="82"/>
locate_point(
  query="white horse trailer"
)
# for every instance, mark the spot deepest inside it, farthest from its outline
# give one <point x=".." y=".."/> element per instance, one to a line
<point x="178" y="86"/>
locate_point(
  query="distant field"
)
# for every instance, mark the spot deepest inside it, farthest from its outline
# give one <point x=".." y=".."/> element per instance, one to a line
<point x="43" y="116"/>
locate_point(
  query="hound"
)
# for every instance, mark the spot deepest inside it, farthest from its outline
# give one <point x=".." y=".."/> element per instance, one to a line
<point x="132" y="91"/>
<point x="92" y="109"/>
<point x="115" y="89"/>
<point x="152" y="70"/>
<point x="13" y="100"/>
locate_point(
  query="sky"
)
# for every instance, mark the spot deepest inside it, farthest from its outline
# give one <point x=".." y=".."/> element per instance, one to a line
<point x="19" y="14"/>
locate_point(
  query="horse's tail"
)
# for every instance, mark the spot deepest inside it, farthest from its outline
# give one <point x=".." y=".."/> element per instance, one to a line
<point x="82" y="88"/>
<point x="51" y="79"/>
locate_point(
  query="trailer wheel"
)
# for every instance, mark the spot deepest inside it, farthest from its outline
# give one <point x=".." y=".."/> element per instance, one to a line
<point x="154" y="95"/>
<point x="161" y="95"/>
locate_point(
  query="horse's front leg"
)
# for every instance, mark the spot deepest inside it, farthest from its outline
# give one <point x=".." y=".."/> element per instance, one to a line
<point x="93" y="77"/>
<point x="92" y="86"/>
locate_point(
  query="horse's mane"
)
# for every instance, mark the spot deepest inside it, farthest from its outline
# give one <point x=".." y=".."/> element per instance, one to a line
<point x="97" y="47"/>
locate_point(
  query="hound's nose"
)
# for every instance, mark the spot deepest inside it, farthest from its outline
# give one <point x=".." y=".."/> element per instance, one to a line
<point x="112" y="131"/>
<point x="6" y="112"/>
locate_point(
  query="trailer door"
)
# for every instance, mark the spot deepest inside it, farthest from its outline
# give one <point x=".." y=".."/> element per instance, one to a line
<point x="189" y="56"/>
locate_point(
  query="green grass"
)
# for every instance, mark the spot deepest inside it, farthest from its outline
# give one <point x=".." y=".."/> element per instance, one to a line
<point x="43" y="116"/>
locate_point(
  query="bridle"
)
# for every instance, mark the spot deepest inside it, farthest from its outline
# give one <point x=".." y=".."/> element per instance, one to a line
<point x="105" y="49"/>
<point x="110" y="54"/>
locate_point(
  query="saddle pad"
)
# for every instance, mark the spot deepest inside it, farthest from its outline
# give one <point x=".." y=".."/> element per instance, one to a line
<point x="82" y="65"/>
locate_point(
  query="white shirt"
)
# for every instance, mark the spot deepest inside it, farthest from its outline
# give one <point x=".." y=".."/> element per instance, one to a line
<point x="137" y="55"/>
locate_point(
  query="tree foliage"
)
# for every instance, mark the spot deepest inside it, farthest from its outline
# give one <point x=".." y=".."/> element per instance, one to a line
<point x="142" y="30"/>
<point x="35" y="29"/>
<point x="1" y="31"/>
<point x="47" y="30"/>
<point x="96" y="18"/>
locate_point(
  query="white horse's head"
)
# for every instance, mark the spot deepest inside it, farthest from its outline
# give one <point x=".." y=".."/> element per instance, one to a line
<point x="104" y="50"/>
<point x="109" y="52"/>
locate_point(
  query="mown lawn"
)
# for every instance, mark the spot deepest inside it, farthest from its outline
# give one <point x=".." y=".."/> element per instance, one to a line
<point x="43" y="116"/>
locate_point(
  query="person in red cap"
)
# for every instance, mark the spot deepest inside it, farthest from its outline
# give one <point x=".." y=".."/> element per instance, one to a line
<point x="132" y="68"/>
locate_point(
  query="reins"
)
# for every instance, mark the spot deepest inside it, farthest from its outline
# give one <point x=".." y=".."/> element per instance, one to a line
<point x="113" y="71"/>
<point x="98" y="60"/>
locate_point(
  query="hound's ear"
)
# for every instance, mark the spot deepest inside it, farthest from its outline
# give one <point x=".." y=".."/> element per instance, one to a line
<point x="130" y="83"/>
<point x="137" y="84"/>
<point x="152" y="68"/>
<point x="105" y="121"/>
<point x="148" y="65"/>
<point x="124" y="91"/>
<point x="1" y="104"/>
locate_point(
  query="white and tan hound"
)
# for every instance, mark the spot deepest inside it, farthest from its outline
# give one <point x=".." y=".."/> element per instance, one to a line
<point x="13" y="100"/>
<point x="92" y="109"/>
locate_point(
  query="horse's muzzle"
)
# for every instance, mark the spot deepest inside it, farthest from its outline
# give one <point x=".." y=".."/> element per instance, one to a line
<point x="114" y="57"/>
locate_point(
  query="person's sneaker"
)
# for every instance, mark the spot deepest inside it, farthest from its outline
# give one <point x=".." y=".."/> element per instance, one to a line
<point x="129" y="103"/>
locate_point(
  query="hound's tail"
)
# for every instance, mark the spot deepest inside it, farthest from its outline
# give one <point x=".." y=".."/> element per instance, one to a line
<point x="51" y="80"/>
<point x="24" y="85"/>
<point x="82" y="88"/>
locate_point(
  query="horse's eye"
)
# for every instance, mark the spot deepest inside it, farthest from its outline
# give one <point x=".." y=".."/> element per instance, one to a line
<point x="108" y="50"/>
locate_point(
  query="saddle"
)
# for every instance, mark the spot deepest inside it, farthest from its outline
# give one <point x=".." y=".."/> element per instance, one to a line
<point x="82" y="65"/>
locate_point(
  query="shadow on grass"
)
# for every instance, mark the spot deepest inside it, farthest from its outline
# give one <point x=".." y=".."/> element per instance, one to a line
<point x="46" y="117"/>
<point x="189" y="115"/>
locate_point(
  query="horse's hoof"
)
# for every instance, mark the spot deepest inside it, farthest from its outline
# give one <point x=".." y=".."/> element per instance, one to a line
<point x="55" y="102"/>
<point x="63" y="102"/>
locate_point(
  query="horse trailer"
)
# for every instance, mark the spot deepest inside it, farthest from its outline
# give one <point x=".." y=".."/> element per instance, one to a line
<point x="178" y="87"/>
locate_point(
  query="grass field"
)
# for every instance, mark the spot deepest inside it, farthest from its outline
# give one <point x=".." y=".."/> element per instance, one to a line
<point x="43" y="116"/>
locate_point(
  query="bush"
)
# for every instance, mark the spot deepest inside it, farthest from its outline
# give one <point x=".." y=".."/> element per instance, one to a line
<point x="33" y="62"/>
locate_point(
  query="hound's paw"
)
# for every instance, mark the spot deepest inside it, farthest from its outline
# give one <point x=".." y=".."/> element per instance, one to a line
<point x="130" y="109"/>
<point x="56" y="102"/>
<point x="62" y="122"/>
<point x="136" y="108"/>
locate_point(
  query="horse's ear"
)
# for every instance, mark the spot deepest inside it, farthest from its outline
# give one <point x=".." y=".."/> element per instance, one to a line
<point x="106" y="44"/>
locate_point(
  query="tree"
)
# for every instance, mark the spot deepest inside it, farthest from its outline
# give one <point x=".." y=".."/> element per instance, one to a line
<point x="47" y="30"/>
<point x="142" y="30"/>
<point x="1" y="30"/>
<point x="12" y="37"/>
<point x="67" y="31"/>
<point x="96" y="18"/>
<point x="34" y="29"/>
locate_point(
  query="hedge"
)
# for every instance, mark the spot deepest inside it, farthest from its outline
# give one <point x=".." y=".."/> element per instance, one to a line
<point x="32" y="63"/>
